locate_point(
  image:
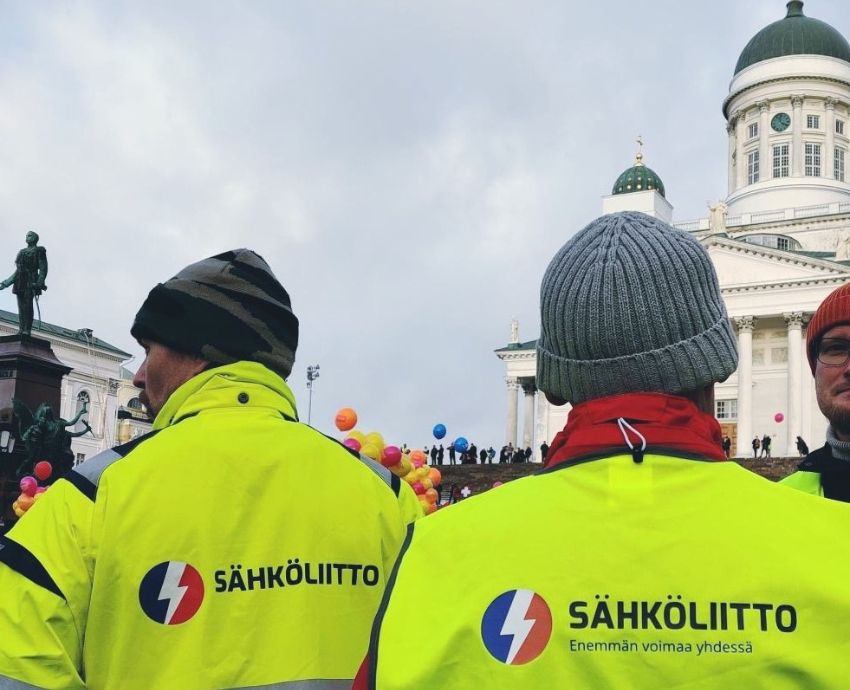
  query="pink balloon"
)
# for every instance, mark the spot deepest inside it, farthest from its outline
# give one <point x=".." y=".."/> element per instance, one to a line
<point x="40" y="490"/>
<point x="390" y="456"/>
<point x="29" y="485"/>
<point x="778" y="417"/>
<point x="352" y="443"/>
<point x="496" y="483"/>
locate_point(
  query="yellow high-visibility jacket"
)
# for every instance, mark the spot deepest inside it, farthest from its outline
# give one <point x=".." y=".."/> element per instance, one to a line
<point x="231" y="547"/>
<point x="638" y="572"/>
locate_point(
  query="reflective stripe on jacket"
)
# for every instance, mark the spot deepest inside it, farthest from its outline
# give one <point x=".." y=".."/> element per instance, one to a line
<point x="636" y="570"/>
<point x="232" y="547"/>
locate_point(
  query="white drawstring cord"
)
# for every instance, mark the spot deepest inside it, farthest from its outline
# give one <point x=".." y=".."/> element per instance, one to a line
<point x="637" y="453"/>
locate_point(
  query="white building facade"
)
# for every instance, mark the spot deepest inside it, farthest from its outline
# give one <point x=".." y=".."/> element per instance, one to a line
<point x="780" y="241"/>
<point x="97" y="377"/>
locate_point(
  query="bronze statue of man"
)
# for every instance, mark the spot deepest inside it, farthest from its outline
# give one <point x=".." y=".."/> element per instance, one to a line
<point x="28" y="280"/>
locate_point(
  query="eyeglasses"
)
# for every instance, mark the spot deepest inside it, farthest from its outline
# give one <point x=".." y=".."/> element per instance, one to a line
<point x="834" y="352"/>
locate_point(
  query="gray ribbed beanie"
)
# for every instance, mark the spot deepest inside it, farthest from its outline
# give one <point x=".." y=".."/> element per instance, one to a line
<point x="631" y="304"/>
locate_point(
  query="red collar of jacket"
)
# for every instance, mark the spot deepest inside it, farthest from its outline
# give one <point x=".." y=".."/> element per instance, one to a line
<point x="665" y="421"/>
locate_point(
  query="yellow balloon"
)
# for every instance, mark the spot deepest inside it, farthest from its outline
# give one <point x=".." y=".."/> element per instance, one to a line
<point x="370" y="450"/>
<point x="405" y="466"/>
<point x="359" y="435"/>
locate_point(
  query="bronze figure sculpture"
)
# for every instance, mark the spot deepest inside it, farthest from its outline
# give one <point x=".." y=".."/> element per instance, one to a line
<point x="47" y="438"/>
<point x="28" y="280"/>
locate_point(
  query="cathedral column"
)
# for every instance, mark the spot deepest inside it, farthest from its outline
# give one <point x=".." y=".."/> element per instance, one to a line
<point x="542" y="424"/>
<point x="794" y="412"/>
<point x="513" y="387"/>
<point x="740" y="158"/>
<point x="808" y="391"/>
<point x="829" y="145"/>
<point x="797" y="153"/>
<point x="745" y="325"/>
<point x="764" y="148"/>
<point x="733" y="158"/>
<point x="528" y="421"/>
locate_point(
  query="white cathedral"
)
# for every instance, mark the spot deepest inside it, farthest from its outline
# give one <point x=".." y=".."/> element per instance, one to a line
<point x="780" y="241"/>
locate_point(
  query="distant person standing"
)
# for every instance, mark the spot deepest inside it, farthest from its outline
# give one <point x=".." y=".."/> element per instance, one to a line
<point x="544" y="451"/>
<point x="452" y="454"/>
<point x="756" y="445"/>
<point x="483" y="456"/>
<point x="765" y="446"/>
<point x="727" y="446"/>
<point x="802" y="448"/>
<point x="434" y="453"/>
<point x="440" y="454"/>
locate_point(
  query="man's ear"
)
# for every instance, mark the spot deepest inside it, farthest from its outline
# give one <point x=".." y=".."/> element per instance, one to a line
<point x="557" y="402"/>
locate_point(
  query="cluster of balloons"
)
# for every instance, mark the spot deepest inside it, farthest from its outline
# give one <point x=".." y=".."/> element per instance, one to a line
<point x="411" y="466"/>
<point x="30" y="490"/>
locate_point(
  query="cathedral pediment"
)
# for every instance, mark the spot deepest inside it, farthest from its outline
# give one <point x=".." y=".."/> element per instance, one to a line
<point x="741" y="265"/>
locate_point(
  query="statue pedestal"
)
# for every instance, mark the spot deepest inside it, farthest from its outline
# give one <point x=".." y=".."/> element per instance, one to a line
<point x="29" y="371"/>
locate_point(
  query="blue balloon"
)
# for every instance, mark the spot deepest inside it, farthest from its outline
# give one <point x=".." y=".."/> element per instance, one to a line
<point x="439" y="431"/>
<point x="461" y="444"/>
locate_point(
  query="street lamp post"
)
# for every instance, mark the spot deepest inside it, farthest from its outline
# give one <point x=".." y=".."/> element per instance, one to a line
<point x="312" y="375"/>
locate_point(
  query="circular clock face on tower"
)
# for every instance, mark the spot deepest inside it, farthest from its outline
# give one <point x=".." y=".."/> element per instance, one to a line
<point x="780" y="122"/>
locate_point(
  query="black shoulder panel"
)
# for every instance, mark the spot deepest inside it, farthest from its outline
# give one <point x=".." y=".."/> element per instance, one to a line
<point x="19" y="559"/>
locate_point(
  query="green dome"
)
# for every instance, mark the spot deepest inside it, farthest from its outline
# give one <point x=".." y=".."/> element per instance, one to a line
<point x="638" y="178"/>
<point x="796" y="34"/>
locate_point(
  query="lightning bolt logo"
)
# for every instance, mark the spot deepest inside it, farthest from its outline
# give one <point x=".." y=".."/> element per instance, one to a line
<point x="516" y="626"/>
<point x="171" y="592"/>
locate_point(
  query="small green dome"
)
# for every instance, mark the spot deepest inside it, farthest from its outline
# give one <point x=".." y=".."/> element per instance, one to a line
<point x="796" y="34"/>
<point x="638" y="178"/>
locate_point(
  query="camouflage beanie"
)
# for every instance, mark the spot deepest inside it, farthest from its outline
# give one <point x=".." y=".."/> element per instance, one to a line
<point x="224" y="309"/>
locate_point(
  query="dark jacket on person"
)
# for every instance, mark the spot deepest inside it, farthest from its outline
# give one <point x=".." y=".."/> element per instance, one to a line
<point x="822" y="474"/>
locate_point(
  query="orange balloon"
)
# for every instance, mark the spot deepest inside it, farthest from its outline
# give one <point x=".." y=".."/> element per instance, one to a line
<point x="418" y="455"/>
<point x="435" y="476"/>
<point x="24" y="502"/>
<point x="432" y="495"/>
<point x="346" y="419"/>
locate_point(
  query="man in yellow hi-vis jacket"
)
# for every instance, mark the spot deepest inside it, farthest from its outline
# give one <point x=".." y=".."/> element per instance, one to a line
<point x="639" y="557"/>
<point x="222" y="550"/>
<point x="826" y="471"/>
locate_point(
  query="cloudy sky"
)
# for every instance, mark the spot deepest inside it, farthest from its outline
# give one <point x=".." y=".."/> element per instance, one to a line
<point x="407" y="168"/>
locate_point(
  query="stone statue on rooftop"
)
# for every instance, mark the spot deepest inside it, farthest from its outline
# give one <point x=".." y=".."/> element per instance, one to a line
<point x="28" y="281"/>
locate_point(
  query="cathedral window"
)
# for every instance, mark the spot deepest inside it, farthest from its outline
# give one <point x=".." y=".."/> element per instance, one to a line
<point x="753" y="130"/>
<point x="838" y="164"/>
<point x="752" y="167"/>
<point x="780" y="160"/>
<point x="812" y="160"/>
<point x="726" y="410"/>
<point x="813" y="121"/>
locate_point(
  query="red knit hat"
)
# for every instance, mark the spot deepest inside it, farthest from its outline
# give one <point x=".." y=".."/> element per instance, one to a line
<point x="834" y="310"/>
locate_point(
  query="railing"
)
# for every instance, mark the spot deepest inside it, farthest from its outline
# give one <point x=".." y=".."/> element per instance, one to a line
<point x="767" y="216"/>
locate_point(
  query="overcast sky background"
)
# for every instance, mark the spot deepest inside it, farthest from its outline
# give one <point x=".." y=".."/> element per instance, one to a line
<point x="407" y="169"/>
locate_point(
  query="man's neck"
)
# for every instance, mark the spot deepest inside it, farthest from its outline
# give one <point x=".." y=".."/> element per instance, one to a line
<point x="840" y="449"/>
